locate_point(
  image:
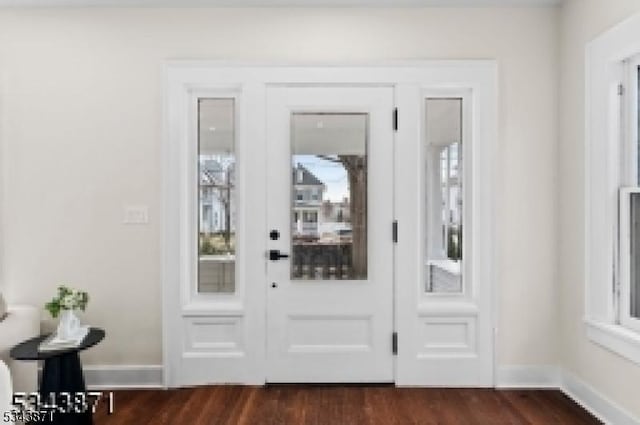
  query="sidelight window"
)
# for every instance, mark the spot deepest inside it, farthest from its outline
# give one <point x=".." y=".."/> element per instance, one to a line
<point x="216" y="195"/>
<point x="444" y="206"/>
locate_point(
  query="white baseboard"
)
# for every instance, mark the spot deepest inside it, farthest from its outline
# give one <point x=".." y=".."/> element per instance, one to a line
<point x="123" y="376"/>
<point x="554" y="377"/>
<point x="528" y="377"/>
<point x="594" y="402"/>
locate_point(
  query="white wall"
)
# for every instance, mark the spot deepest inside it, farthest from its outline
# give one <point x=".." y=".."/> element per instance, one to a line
<point x="613" y="376"/>
<point x="81" y="128"/>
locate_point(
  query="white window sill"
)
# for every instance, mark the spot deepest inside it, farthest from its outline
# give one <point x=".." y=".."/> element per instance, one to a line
<point x="616" y="338"/>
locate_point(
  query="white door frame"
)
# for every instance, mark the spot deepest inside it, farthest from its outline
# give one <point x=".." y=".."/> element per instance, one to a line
<point x="240" y="351"/>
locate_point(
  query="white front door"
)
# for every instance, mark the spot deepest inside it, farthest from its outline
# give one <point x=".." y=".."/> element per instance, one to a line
<point x="330" y="211"/>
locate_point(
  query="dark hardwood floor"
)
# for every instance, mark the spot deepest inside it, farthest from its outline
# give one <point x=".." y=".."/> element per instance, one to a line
<point x="340" y="405"/>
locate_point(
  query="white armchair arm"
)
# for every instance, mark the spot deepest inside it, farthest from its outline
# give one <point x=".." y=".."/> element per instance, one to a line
<point x="5" y="391"/>
<point x="21" y="323"/>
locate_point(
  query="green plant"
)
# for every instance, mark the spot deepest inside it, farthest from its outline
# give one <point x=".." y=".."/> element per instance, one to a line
<point x="67" y="299"/>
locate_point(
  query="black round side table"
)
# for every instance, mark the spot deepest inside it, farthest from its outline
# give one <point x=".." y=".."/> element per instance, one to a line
<point x="62" y="380"/>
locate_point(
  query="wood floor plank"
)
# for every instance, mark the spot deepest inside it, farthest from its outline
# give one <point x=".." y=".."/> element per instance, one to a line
<point x="424" y="406"/>
<point x="565" y="409"/>
<point x="342" y="405"/>
<point x="483" y="406"/>
<point x="539" y="407"/>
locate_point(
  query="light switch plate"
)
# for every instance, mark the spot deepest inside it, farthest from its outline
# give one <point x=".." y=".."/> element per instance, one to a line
<point x="136" y="214"/>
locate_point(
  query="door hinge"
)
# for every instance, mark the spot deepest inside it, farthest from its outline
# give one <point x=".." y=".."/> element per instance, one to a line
<point x="620" y="90"/>
<point x="394" y="343"/>
<point x="395" y="119"/>
<point x="394" y="231"/>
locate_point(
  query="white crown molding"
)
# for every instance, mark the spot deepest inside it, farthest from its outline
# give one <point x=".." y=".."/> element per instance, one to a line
<point x="278" y="3"/>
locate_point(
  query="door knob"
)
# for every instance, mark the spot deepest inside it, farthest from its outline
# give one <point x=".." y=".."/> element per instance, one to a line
<point x="275" y="255"/>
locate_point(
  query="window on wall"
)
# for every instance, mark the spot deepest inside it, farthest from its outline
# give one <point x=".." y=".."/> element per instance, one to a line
<point x="612" y="195"/>
<point x="629" y="199"/>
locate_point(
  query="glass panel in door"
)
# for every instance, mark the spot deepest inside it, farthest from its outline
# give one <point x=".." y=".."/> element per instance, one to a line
<point x="329" y="196"/>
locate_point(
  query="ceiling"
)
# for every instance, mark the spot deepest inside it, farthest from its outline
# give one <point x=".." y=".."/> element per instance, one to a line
<point x="277" y="3"/>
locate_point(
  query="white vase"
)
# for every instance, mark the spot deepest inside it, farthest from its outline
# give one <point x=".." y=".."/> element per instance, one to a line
<point x="69" y="325"/>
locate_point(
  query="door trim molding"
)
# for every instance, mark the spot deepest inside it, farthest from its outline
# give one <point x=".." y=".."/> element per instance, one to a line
<point x="250" y="81"/>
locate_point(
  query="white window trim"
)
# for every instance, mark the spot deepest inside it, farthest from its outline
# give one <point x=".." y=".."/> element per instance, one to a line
<point x="616" y="338"/>
<point x="606" y="62"/>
